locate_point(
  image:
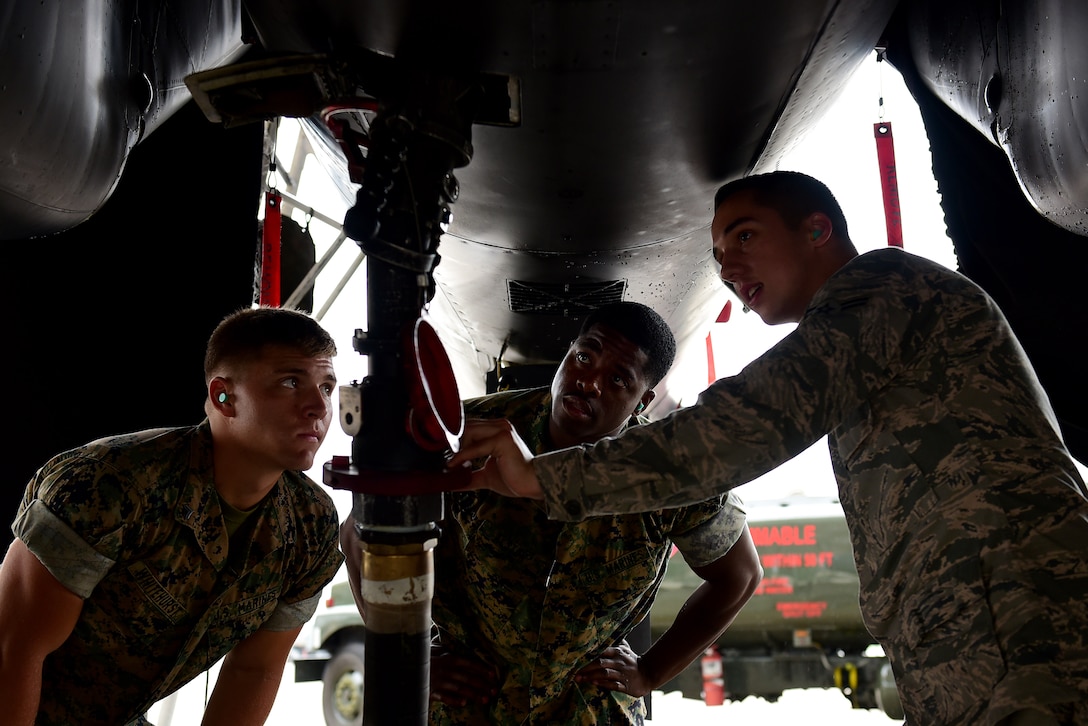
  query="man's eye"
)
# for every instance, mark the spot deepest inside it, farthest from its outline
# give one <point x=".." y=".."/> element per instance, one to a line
<point x="744" y="236"/>
<point x="619" y="381"/>
<point x="290" y="382"/>
<point x="581" y="357"/>
<point x="327" y="389"/>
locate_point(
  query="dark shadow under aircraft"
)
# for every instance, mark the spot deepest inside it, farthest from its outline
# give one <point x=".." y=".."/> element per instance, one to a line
<point x="511" y="165"/>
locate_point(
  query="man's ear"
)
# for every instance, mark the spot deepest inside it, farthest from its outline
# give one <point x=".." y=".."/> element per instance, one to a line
<point x="220" y="396"/>
<point x="645" y="401"/>
<point x="819" y="228"/>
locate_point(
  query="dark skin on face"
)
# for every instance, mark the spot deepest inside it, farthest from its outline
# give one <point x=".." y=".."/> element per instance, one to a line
<point x="598" y="386"/>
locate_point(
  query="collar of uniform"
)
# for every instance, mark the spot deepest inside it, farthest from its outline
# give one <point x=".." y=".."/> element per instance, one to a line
<point x="198" y="503"/>
<point x="198" y="509"/>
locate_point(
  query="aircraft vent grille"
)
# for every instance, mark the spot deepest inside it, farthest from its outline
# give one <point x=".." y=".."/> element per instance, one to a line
<point x="569" y="299"/>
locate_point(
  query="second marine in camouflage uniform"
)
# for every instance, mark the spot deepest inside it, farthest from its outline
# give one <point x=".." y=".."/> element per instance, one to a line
<point x="968" y="517"/>
<point x="540" y="599"/>
<point x="133" y="524"/>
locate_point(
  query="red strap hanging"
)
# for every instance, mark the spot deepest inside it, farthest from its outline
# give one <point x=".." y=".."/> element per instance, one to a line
<point x="885" y="155"/>
<point x="723" y="317"/>
<point x="711" y="373"/>
<point x="270" y="251"/>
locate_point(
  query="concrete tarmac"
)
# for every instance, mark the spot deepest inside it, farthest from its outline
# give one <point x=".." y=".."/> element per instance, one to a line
<point x="299" y="704"/>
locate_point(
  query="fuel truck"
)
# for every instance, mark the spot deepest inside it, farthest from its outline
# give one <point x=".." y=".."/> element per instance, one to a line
<point x="801" y="629"/>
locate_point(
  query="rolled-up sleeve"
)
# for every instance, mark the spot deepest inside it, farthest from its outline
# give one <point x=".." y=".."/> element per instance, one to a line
<point x="75" y="564"/>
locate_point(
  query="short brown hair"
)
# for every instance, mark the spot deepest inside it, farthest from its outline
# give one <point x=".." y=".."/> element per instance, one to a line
<point x="242" y="335"/>
<point x="790" y="193"/>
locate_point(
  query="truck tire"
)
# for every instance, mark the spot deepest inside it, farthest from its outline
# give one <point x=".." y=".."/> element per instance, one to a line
<point x="887" y="695"/>
<point x="342" y="687"/>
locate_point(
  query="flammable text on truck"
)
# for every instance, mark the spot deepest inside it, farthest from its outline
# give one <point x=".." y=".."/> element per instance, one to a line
<point x="801" y="629"/>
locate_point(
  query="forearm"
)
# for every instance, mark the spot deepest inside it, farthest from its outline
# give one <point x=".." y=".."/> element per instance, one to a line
<point x="242" y="696"/>
<point x="668" y="463"/>
<point x="20" y="691"/>
<point x="703" y="618"/>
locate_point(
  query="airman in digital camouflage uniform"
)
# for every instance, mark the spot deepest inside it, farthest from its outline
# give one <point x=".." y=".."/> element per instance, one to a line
<point x="968" y="517"/>
<point x="532" y="613"/>
<point x="140" y="560"/>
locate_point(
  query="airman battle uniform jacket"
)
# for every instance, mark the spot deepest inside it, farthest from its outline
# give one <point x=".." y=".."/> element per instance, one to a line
<point x="969" y="519"/>
<point x="133" y="525"/>
<point x="541" y="599"/>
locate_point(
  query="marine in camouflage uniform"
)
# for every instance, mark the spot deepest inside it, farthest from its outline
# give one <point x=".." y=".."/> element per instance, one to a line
<point x="134" y="525"/>
<point x="968" y="517"/>
<point x="540" y="599"/>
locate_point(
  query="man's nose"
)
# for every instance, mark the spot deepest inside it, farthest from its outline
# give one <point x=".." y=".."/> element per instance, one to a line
<point x="728" y="267"/>
<point x="318" y="404"/>
<point x="589" y="384"/>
